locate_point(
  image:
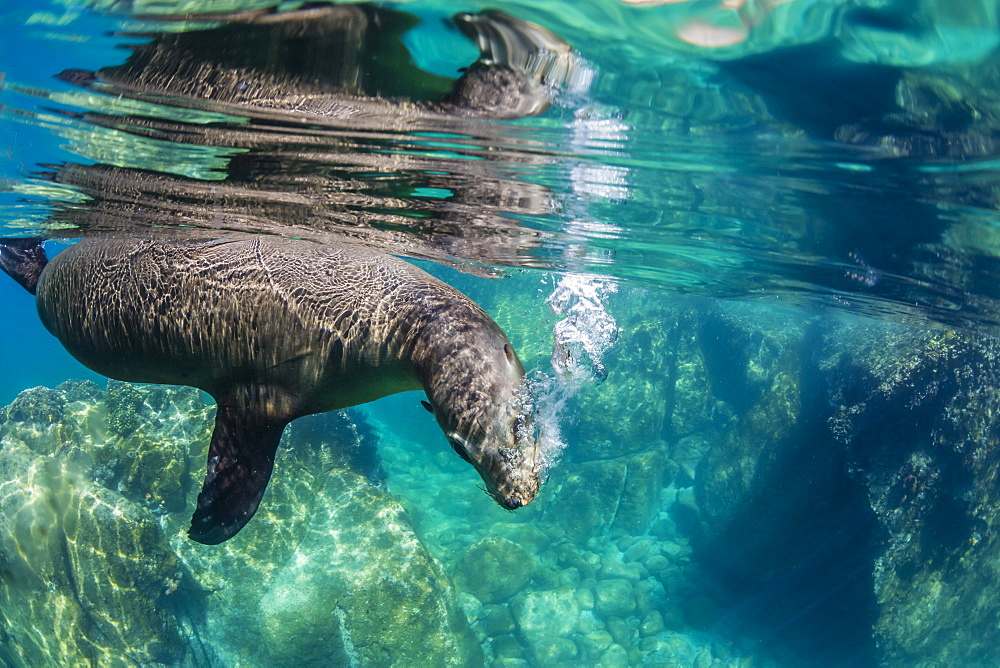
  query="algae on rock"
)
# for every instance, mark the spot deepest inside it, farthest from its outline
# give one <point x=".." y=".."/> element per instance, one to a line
<point x="931" y="472"/>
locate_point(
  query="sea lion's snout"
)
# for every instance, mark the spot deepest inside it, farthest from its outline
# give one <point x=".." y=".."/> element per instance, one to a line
<point x="521" y="493"/>
<point x="507" y="466"/>
<point x="511" y="469"/>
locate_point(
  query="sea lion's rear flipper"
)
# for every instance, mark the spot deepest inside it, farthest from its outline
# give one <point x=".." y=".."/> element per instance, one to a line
<point x="24" y="260"/>
<point x="240" y="461"/>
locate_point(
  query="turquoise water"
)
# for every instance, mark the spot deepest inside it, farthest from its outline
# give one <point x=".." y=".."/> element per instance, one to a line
<point x="747" y="253"/>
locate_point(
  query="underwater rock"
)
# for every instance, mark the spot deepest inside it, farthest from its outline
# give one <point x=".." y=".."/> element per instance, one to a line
<point x="498" y="620"/>
<point x="862" y="476"/>
<point x="123" y="572"/>
<point x="80" y="390"/>
<point x="637" y="550"/>
<point x="775" y="520"/>
<point x="160" y="429"/>
<point x="600" y="438"/>
<point x="615" y="656"/>
<point x="35" y="418"/>
<point x="545" y="617"/>
<point x="641" y="382"/>
<point x="659" y="376"/>
<point x="507" y="651"/>
<point x="621" y="493"/>
<point x="647" y="473"/>
<point x="144" y="441"/>
<point x="471" y="606"/>
<point x="656" y="564"/>
<point x="526" y="534"/>
<point x="694" y="407"/>
<point x="330" y="570"/>
<point x="39" y="405"/>
<point x="494" y="569"/>
<point x="585" y="497"/>
<point x="931" y="473"/>
<point x="615" y="598"/>
<point x="88" y="576"/>
<point x="347" y="435"/>
<point x="554" y="651"/>
<point x="638" y="366"/>
<point x="595" y="642"/>
<point x="619" y="630"/>
<point x="652" y="624"/>
<point x="123" y="401"/>
<point x="754" y="361"/>
<point x="76" y="422"/>
<point x="363" y="591"/>
<point x="616" y="570"/>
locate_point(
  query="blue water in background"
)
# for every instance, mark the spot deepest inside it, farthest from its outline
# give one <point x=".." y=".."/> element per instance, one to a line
<point x="31" y="356"/>
<point x="748" y="258"/>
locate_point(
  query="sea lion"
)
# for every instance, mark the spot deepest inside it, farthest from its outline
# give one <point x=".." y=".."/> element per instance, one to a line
<point x="275" y="329"/>
<point x="329" y="131"/>
<point x="339" y="62"/>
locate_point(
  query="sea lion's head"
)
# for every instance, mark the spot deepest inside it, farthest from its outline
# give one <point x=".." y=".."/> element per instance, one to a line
<point x="478" y="394"/>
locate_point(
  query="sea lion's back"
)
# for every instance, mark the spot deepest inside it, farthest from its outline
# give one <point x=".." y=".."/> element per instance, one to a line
<point x="223" y="307"/>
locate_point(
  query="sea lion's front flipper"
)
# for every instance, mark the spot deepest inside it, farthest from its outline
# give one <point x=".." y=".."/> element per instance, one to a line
<point x="240" y="461"/>
<point x="24" y="260"/>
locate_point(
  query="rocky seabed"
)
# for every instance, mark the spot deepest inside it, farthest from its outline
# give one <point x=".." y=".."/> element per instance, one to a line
<point x="771" y="472"/>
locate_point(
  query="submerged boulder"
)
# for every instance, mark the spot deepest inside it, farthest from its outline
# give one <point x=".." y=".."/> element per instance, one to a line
<point x="132" y="439"/>
<point x="329" y="570"/>
<point x="494" y="569"/>
<point x="923" y="431"/>
<point x="360" y="588"/>
<point x="96" y="491"/>
<point x="546" y="620"/>
<point x="87" y="576"/>
<point x="859" y="473"/>
<point x="621" y="493"/>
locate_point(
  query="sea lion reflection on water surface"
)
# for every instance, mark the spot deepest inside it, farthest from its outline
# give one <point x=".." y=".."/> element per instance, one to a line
<point x="340" y="62"/>
<point x="328" y="134"/>
<point x="275" y="329"/>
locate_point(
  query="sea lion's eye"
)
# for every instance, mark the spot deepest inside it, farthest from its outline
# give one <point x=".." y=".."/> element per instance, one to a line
<point x="459" y="450"/>
<point x="508" y="350"/>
